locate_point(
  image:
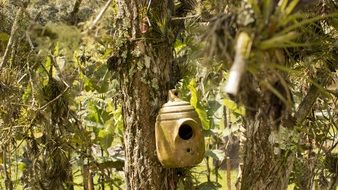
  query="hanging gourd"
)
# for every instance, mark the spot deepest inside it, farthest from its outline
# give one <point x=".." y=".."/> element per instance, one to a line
<point x="179" y="137"/>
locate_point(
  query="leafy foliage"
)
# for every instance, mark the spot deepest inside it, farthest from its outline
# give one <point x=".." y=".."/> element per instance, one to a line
<point x="195" y="103"/>
<point x="61" y="122"/>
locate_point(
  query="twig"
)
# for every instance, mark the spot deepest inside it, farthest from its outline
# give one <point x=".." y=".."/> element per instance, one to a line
<point x="99" y="16"/>
<point x="53" y="61"/>
<point x="13" y="52"/>
<point x="305" y="106"/>
<point x="76" y="7"/>
<point x="149" y="3"/>
<point x="186" y="17"/>
<point x="75" y="10"/>
<point x="54" y="64"/>
<point x="228" y="164"/>
<point x="56" y="98"/>
<point x="29" y="40"/>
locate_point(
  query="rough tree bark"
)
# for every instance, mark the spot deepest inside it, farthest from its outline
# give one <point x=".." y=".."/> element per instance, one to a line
<point x="264" y="167"/>
<point x="144" y="61"/>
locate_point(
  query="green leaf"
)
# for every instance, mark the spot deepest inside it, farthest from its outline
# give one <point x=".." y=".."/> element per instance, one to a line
<point x="305" y="22"/>
<point x="202" y="114"/>
<point x="179" y="45"/>
<point x="93" y="113"/>
<point x="27" y="93"/>
<point x="291" y="7"/>
<point x="232" y="106"/>
<point x="282" y="5"/>
<point x="267" y="10"/>
<point x="21" y="166"/>
<point x="278" y="41"/>
<point x="106" y="136"/>
<point x="4" y="37"/>
<point x="118" y="119"/>
<point x="216" y="154"/>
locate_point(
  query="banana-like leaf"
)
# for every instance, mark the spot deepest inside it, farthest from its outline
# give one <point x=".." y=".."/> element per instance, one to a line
<point x="202" y="114"/>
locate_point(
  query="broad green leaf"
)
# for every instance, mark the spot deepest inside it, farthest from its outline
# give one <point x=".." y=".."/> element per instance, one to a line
<point x="110" y="108"/>
<point x="57" y="49"/>
<point x="27" y="93"/>
<point x="93" y="113"/>
<point x="118" y="120"/>
<point x="106" y="137"/>
<point x="232" y="106"/>
<point x="202" y="114"/>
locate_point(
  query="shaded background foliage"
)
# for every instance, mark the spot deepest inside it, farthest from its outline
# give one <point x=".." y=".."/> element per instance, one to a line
<point x="61" y="118"/>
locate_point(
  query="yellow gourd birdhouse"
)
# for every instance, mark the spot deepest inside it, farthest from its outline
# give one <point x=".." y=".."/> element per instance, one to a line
<point x="179" y="137"/>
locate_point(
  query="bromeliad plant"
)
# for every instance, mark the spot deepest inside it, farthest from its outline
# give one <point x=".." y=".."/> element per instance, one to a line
<point x="281" y="48"/>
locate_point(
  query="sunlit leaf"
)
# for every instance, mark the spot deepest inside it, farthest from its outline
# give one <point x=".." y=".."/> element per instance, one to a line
<point x="106" y="137"/>
<point x="231" y="105"/>
<point x="291" y="6"/>
<point x="37" y="133"/>
<point x="202" y="114"/>
<point x="21" y="166"/>
<point x="278" y="41"/>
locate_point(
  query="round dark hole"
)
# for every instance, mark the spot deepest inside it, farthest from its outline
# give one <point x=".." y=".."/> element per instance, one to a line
<point x="188" y="150"/>
<point x="185" y="132"/>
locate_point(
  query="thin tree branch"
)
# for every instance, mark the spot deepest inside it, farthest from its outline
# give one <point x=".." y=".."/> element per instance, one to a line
<point x="56" y="98"/>
<point x="53" y="61"/>
<point x="29" y="40"/>
<point x="186" y="17"/>
<point x="305" y="106"/>
<point x="76" y="8"/>
<point x="99" y="16"/>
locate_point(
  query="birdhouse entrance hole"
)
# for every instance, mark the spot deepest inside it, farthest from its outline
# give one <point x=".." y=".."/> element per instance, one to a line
<point x="185" y="132"/>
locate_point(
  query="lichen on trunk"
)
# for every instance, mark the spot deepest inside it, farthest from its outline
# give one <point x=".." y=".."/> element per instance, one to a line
<point x="144" y="61"/>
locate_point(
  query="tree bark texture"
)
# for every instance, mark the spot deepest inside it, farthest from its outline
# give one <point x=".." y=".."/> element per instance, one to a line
<point x="144" y="61"/>
<point x="267" y="100"/>
<point x="266" y="167"/>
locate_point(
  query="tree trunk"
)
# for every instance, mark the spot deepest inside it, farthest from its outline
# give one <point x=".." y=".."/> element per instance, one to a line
<point x="147" y="58"/>
<point x="266" y="166"/>
<point x="264" y="169"/>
